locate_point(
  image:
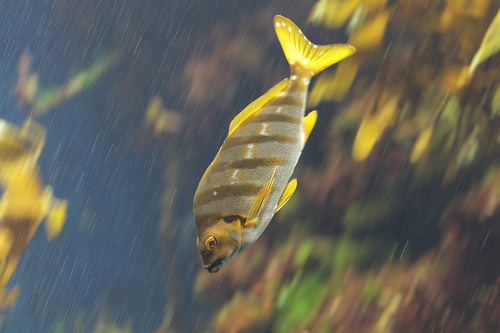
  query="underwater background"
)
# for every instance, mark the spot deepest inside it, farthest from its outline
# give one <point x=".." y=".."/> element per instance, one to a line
<point x="395" y="224"/>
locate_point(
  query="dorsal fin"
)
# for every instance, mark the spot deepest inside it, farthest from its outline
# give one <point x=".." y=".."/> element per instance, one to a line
<point x="256" y="105"/>
<point x="308" y="124"/>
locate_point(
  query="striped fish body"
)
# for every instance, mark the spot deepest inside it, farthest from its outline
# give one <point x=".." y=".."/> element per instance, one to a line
<point x="271" y="138"/>
<point x="249" y="178"/>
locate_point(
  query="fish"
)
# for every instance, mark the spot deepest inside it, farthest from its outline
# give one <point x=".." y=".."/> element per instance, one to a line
<point x="25" y="201"/>
<point x="160" y="119"/>
<point x="249" y="179"/>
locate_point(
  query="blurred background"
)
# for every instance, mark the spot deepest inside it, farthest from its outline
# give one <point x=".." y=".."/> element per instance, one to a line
<point x="394" y="226"/>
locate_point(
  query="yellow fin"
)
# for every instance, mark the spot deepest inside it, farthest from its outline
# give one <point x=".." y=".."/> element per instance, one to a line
<point x="56" y="218"/>
<point x="287" y="194"/>
<point x="300" y="51"/>
<point x="257" y="209"/>
<point x="256" y="105"/>
<point x="308" y="123"/>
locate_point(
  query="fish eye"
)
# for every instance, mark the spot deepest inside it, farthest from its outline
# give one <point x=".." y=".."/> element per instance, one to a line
<point x="210" y="243"/>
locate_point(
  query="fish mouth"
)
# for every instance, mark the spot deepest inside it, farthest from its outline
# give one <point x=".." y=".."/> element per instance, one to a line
<point x="214" y="267"/>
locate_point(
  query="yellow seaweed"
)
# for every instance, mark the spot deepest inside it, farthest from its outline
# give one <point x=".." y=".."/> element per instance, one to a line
<point x="372" y="127"/>
<point x="424" y="138"/>
<point x="489" y="45"/>
<point x="370" y="34"/>
<point x="333" y="87"/>
<point x="44" y="100"/>
<point x="421" y="144"/>
<point x="331" y="13"/>
<point x="495" y="104"/>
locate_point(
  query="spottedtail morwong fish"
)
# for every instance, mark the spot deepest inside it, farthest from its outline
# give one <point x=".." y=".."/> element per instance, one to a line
<point x="248" y="181"/>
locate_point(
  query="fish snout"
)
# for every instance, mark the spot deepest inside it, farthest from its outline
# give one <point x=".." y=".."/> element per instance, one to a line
<point x="214" y="267"/>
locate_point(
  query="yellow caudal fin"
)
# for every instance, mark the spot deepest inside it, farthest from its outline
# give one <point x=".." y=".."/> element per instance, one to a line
<point x="56" y="218"/>
<point x="287" y="194"/>
<point x="308" y="123"/>
<point x="258" y="205"/>
<point x="299" y="51"/>
<point x="256" y="105"/>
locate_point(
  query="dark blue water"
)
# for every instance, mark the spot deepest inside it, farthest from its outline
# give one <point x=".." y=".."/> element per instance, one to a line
<point x="107" y="257"/>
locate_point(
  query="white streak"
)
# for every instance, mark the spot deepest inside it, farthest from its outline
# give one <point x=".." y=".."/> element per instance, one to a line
<point x="293" y="77"/>
<point x="263" y="130"/>
<point x="279" y="109"/>
<point x="249" y="152"/>
<point x="235" y="172"/>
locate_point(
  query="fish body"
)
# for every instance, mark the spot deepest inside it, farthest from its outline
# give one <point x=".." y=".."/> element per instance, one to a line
<point x="248" y="181"/>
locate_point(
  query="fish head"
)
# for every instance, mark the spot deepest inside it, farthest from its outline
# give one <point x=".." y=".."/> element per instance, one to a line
<point x="218" y="245"/>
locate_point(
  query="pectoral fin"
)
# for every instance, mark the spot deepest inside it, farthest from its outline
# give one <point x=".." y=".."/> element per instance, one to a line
<point x="308" y="124"/>
<point x="287" y="194"/>
<point x="257" y="209"/>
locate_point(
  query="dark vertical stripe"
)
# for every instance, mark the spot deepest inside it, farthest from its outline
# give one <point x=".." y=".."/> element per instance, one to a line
<point x="248" y="163"/>
<point x="284" y="101"/>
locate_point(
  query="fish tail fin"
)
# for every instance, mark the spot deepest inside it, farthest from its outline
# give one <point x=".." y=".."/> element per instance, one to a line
<point x="299" y="51"/>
